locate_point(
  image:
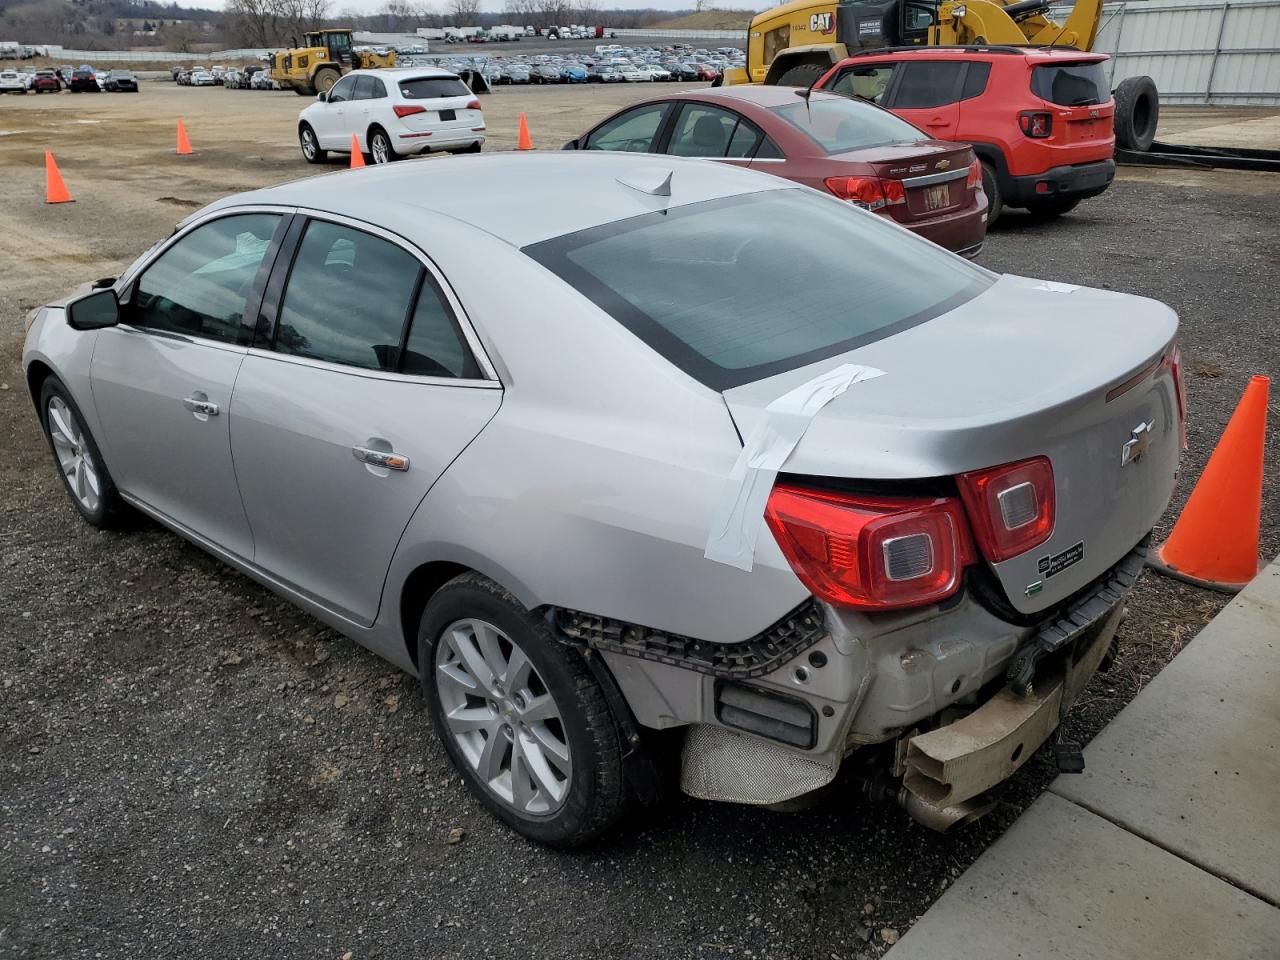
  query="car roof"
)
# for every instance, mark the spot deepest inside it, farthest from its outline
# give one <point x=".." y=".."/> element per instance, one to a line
<point x="761" y="95"/>
<point x="978" y="52"/>
<point x="395" y="72"/>
<point x="497" y="193"/>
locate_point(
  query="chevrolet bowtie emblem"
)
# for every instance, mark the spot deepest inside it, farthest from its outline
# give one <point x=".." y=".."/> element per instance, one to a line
<point x="943" y="164"/>
<point x="1137" y="444"/>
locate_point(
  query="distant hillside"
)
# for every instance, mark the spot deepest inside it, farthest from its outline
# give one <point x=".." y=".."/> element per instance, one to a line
<point x="709" y="20"/>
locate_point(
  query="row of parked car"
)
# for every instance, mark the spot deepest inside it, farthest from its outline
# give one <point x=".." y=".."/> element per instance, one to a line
<point x="82" y="79"/>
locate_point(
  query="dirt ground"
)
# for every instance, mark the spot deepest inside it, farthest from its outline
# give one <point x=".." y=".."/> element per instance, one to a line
<point x="190" y="767"/>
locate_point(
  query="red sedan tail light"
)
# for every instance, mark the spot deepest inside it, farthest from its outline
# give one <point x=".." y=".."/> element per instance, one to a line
<point x="870" y="193"/>
<point x="876" y="553"/>
<point x="407" y="109"/>
<point x="1011" y="507"/>
<point x="974" y="178"/>
<point x="1174" y="361"/>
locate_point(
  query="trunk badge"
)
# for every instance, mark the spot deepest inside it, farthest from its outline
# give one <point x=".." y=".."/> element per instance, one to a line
<point x="943" y="164"/>
<point x="1137" y="444"/>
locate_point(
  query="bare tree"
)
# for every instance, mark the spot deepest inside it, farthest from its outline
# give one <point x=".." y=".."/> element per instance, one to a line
<point x="464" y="11"/>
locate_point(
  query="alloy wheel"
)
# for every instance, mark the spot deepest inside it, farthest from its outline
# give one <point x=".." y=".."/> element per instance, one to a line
<point x="308" y="144"/>
<point x="380" y="148"/>
<point x="74" y="457"/>
<point x="502" y="717"/>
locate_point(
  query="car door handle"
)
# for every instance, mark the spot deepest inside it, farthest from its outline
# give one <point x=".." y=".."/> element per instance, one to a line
<point x="381" y="458"/>
<point x="200" y="406"/>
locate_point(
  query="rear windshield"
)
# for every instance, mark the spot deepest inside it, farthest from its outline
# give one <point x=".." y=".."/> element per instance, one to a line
<point x="1071" y="84"/>
<point x="429" y="88"/>
<point x="738" y="289"/>
<point x="838" y="125"/>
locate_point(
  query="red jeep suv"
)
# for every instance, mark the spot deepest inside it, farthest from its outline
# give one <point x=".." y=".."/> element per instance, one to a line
<point x="1040" y="119"/>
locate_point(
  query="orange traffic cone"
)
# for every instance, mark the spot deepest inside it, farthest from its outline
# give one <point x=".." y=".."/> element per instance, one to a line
<point x="1214" y="544"/>
<point x="523" y="141"/>
<point x="357" y="158"/>
<point x="55" y="191"/>
<point x="184" y="145"/>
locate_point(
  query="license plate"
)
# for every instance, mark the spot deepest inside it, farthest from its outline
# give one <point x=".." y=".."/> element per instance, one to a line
<point x="937" y="197"/>
<point x="448" y="114"/>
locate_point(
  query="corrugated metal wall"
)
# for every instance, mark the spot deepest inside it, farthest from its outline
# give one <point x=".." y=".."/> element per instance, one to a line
<point x="1220" y="51"/>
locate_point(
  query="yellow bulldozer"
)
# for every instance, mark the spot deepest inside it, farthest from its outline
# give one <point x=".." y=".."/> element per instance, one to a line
<point x="321" y="61"/>
<point x="796" y="43"/>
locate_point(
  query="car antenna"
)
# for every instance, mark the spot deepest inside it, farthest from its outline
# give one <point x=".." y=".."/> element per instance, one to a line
<point x="804" y="95"/>
<point x="661" y="188"/>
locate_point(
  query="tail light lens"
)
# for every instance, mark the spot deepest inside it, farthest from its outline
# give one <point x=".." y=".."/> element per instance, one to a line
<point x="877" y="553"/>
<point x="1036" y="124"/>
<point x="974" y="178"/>
<point x="870" y="193"/>
<point x="1011" y="507"/>
<point x="1175" y="365"/>
<point x="472" y="105"/>
<point x="408" y="109"/>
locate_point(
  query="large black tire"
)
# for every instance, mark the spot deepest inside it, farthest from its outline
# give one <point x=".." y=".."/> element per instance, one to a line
<point x="1052" y="209"/>
<point x="1137" y="113"/>
<point x="596" y="795"/>
<point x="311" y="151"/>
<point x="110" y="512"/>
<point x="802" y="75"/>
<point x="324" y="79"/>
<point x="991" y="187"/>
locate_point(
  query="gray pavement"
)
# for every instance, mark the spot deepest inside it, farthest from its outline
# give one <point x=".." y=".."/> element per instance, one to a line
<point x="1168" y="846"/>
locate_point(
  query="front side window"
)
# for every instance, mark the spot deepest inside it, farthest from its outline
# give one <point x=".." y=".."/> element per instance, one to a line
<point x="868" y="83"/>
<point x="632" y="132"/>
<point x="735" y="290"/>
<point x="838" y="125"/>
<point x="343" y="90"/>
<point x="347" y="298"/>
<point x="935" y="83"/>
<point x="201" y="284"/>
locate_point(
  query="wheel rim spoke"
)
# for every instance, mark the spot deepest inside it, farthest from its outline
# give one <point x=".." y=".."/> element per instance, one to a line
<point x="467" y="719"/>
<point x="490" y="763"/>
<point x="536" y="762"/>
<point x="473" y="660"/>
<point x="540" y="709"/>
<point x="555" y="750"/>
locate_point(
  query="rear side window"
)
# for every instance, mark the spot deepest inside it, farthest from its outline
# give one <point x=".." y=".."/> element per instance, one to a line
<point x="975" y="80"/>
<point x="435" y="347"/>
<point x="839" y="125"/>
<point x="704" y="131"/>
<point x="347" y="298"/>
<point x="429" y="88"/>
<point x="928" y="84"/>
<point x="734" y="290"/>
<point x="1070" y="84"/>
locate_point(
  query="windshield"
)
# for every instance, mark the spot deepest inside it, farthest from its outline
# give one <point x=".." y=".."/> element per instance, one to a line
<point x="735" y="290"/>
<point x="838" y="125"/>
<point x="429" y="88"/>
<point x="1071" y="84"/>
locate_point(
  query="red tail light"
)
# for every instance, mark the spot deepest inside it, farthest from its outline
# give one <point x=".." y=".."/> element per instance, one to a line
<point x="472" y="105"/>
<point x="1036" y="123"/>
<point x="1011" y="507"/>
<point x="877" y="553"/>
<point x="408" y="109"/>
<point x="1174" y="360"/>
<point x="974" y="179"/>
<point x="871" y="193"/>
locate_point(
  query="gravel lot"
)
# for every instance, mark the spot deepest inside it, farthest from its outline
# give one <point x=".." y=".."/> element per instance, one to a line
<point x="190" y="767"/>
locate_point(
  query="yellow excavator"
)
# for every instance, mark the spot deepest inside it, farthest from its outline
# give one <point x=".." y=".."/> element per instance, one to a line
<point x="322" y="60"/>
<point x="794" y="44"/>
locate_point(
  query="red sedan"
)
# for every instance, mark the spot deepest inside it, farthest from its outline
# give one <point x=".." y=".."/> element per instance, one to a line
<point x="853" y="149"/>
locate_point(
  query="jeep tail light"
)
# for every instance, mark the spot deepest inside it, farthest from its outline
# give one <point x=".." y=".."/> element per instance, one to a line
<point x="974" y="178"/>
<point x="1011" y="507"/>
<point x="875" y="553"/>
<point x="1174" y="360"/>
<point x="870" y="193"/>
<point x="408" y="109"/>
<point x="1036" y="124"/>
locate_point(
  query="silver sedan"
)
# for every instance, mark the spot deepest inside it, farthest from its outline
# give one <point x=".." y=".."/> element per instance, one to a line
<point x="691" y="450"/>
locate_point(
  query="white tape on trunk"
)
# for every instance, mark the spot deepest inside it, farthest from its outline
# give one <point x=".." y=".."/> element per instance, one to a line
<point x="738" y="517"/>
<point x="1054" y="286"/>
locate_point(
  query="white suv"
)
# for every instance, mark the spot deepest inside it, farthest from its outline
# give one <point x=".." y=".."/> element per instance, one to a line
<point x="393" y="114"/>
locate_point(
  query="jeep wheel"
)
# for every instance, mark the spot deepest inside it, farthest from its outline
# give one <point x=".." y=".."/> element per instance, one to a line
<point x="519" y="714"/>
<point x="991" y="187"/>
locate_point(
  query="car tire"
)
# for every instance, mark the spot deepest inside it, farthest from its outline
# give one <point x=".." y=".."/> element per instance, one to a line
<point x="991" y="187"/>
<point x="801" y="75"/>
<point x="380" y="144"/>
<point x="1137" y="113"/>
<point x="316" y="155"/>
<point x="473" y="613"/>
<point x="79" y="461"/>
<point x="1052" y="209"/>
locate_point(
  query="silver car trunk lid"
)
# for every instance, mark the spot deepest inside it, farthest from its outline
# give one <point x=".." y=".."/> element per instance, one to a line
<point x="1026" y="369"/>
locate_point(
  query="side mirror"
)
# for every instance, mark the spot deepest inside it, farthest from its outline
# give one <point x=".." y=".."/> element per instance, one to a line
<point x="323" y="96"/>
<point x="571" y="145"/>
<point x="95" y="310"/>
